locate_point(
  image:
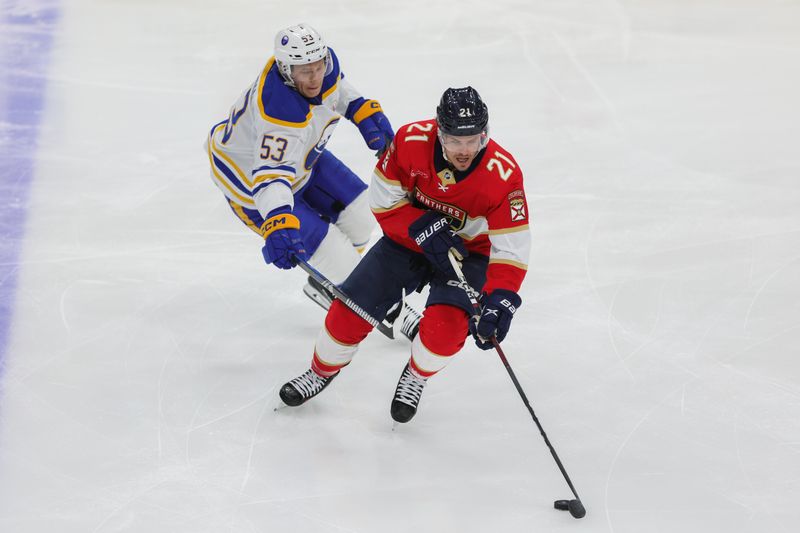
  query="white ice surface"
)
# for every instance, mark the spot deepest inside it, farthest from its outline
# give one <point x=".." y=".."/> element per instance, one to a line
<point x="658" y="337"/>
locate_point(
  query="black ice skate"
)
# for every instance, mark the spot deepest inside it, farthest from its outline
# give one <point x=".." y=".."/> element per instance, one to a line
<point x="318" y="294"/>
<point x="407" y="395"/>
<point x="404" y="319"/>
<point x="304" y="387"/>
<point x="410" y="326"/>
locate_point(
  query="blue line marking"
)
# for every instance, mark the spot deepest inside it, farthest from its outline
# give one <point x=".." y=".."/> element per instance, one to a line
<point x="26" y="37"/>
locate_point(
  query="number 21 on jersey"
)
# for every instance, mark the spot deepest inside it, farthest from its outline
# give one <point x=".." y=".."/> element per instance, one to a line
<point x="496" y="163"/>
<point x="419" y="127"/>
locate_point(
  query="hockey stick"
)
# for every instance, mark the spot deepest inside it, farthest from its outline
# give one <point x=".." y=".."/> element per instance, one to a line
<point x="345" y="299"/>
<point x="575" y="507"/>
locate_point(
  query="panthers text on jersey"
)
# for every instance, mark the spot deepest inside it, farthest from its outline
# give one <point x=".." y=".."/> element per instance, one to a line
<point x="488" y="208"/>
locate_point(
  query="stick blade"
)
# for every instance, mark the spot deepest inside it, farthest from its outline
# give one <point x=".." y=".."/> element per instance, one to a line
<point x="576" y="509"/>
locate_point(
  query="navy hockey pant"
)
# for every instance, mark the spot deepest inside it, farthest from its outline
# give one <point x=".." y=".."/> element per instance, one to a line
<point x="377" y="282"/>
<point x="331" y="187"/>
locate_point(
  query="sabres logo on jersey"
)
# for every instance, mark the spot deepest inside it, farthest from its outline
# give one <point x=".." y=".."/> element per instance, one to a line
<point x="316" y="150"/>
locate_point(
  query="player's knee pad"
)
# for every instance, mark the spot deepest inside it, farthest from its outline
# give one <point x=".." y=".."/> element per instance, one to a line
<point x="357" y="221"/>
<point x="441" y="335"/>
<point x="344" y="326"/>
<point x="443" y="329"/>
<point x="335" y="256"/>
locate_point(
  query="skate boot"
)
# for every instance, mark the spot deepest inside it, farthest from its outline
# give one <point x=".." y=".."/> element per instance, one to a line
<point x="318" y="294"/>
<point x="304" y="387"/>
<point x="407" y="395"/>
<point x="411" y="318"/>
<point x="404" y="319"/>
<point x="393" y="313"/>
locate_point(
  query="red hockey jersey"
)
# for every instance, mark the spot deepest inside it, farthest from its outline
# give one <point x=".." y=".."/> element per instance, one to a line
<point x="488" y="207"/>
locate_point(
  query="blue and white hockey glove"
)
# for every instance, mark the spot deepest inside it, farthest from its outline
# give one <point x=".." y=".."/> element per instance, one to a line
<point x="433" y="235"/>
<point x="373" y="125"/>
<point x="282" y="239"/>
<point x="497" y="310"/>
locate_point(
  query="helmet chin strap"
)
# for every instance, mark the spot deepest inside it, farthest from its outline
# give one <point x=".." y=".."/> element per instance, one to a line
<point x="441" y="143"/>
<point x="285" y="71"/>
<point x="444" y="154"/>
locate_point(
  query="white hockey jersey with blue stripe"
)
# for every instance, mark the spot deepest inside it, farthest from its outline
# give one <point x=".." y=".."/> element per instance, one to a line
<point x="265" y="150"/>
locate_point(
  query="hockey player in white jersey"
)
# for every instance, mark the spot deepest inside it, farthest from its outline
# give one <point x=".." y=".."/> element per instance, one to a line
<point x="269" y="157"/>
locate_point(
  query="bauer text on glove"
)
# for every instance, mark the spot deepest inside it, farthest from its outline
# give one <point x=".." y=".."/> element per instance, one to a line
<point x="433" y="235"/>
<point x="497" y="310"/>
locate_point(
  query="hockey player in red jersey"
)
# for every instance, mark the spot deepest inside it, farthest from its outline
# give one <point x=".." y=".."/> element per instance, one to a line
<point x="442" y="186"/>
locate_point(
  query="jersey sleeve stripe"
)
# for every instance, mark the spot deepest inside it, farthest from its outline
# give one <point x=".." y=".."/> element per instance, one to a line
<point x="511" y="248"/>
<point x="517" y="264"/>
<point x="239" y="210"/>
<point x="227" y="181"/>
<point x="232" y="166"/>
<point x="229" y="175"/>
<point x="286" y="168"/>
<point x="215" y="127"/>
<point x="399" y="204"/>
<point x="265" y="185"/>
<point x="231" y="191"/>
<point x="380" y="175"/>
<point x="386" y="195"/>
<point x="272" y="177"/>
<point x="503" y="231"/>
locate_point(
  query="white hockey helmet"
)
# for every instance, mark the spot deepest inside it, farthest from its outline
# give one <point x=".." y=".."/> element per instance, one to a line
<point x="299" y="45"/>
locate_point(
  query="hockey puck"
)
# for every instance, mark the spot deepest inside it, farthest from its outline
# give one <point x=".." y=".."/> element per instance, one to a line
<point x="561" y="505"/>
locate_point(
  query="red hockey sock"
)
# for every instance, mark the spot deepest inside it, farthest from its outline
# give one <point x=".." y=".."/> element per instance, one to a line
<point x="344" y="325"/>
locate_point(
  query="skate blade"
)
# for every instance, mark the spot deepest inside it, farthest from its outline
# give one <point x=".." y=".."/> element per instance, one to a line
<point x="317" y="297"/>
<point x="278" y="405"/>
<point x="395" y="425"/>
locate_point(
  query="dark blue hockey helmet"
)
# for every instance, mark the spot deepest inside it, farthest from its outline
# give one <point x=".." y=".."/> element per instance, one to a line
<point x="462" y="112"/>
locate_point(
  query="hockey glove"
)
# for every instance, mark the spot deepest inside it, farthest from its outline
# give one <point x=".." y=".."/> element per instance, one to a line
<point x="433" y="235"/>
<point x="373" y="125"/>
<point x="282" y="239"/>
<point x="497" y="310"/>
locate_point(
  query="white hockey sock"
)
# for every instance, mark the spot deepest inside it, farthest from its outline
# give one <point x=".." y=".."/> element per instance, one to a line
<point x="357" y="221"/>
<point x="335" y="258"/>
<point x="330" y="355"/>
<point x="428" y="362"/>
